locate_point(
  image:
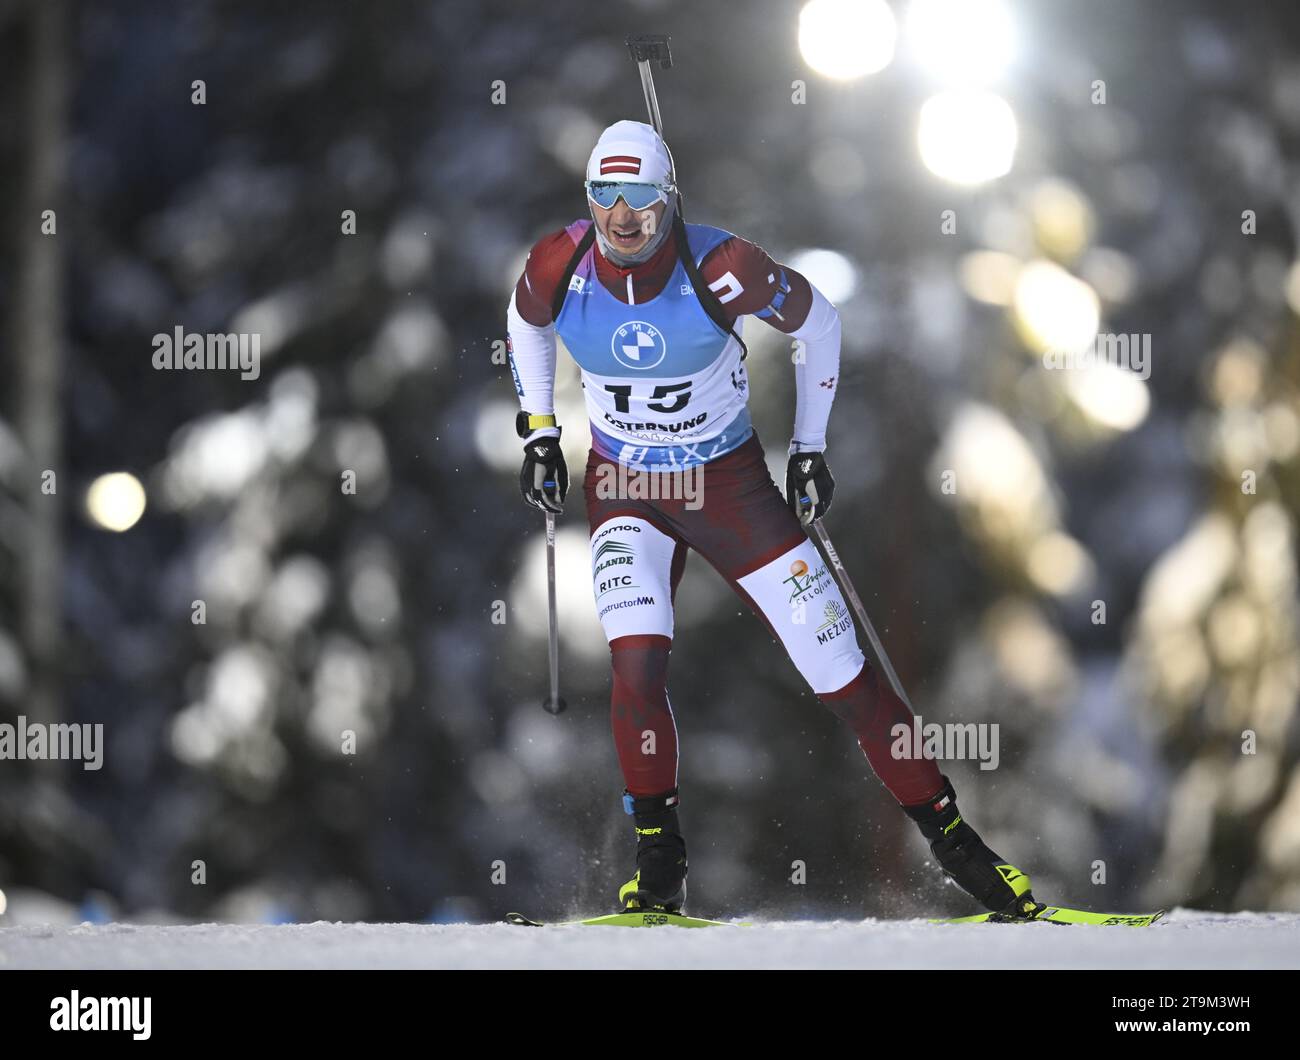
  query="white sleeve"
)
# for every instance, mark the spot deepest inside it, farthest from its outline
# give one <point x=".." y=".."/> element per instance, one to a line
<point x="816" y="375"/>
<point x="532" y="363"/>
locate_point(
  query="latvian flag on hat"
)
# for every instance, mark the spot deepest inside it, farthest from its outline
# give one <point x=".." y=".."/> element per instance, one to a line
<point x="620" y="164"/>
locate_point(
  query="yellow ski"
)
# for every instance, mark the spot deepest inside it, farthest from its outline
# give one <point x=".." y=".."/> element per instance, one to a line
<point x="1055" y="914"/>
<point x="634" y="919"/>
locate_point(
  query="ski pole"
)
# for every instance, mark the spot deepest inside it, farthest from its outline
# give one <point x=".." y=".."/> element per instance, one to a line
<point x="841" y="577"/>
<point x="554" y="703"/>
<point x="645" y="50"/>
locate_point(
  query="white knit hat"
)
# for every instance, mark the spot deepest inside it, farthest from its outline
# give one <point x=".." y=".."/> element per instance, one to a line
<point x="631" y="151"/>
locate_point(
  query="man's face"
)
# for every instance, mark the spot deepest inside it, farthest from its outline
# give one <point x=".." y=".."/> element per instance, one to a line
<point x="626" y="229"/>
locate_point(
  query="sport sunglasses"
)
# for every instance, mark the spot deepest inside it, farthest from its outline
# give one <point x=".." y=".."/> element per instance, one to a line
<point x="604" y="193"/>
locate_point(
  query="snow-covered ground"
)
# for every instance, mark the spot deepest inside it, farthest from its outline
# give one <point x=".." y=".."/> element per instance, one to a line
<point x="1183" y="939"/>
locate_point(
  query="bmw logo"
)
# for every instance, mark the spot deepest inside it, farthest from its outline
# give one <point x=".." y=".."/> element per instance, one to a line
<point x="638" y="345"/>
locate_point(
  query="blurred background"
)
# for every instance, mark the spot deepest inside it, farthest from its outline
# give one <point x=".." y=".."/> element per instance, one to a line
<point x="1113" y="580"/>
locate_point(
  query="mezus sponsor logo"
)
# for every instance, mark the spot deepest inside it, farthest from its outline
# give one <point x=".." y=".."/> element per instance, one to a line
<point x="212" y="351"/>
<point x="952" y="741"/>
<point x="620" y="482"/>
<point x="37" y="740"/>
<point x="77" y="1013"/>
<point x="836" y="621"/>
<point x="1130" y="352"/>
<point x="805" y="584"/>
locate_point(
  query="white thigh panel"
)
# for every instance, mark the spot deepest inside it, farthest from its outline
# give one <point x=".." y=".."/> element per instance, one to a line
<point x="631" y="572"/>
<point x="799" y="597"/>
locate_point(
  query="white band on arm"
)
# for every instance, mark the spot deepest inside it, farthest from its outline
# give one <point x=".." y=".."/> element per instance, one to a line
<point x="816" y="376"/>
<point x="533" y="363"/>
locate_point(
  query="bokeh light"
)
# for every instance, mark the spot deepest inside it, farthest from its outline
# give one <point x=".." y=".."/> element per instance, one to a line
<point x="115" y="501"/>
<point x="831" y="272"/>
<point x="1109" y="395"/>
<point x="961" y="41"/>
<point x="844" y="39"/>
<point x="1054" y="311"/>
<point x="967" y="137"/>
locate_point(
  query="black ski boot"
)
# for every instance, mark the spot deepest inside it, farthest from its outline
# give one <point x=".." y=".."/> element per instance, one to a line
<point x="660" y="880"/>
<point x="967" y="860"/>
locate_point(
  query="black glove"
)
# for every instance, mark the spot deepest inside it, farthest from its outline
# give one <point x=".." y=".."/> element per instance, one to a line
<point x="544" y="479"/>
<point x="808" y="486"/>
